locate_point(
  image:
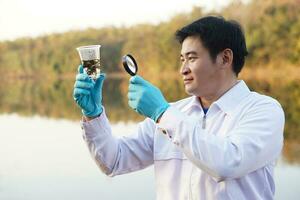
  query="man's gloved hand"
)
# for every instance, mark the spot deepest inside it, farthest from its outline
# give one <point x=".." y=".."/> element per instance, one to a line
<point x="88" y="93"/>
<point x="145" y="98"/>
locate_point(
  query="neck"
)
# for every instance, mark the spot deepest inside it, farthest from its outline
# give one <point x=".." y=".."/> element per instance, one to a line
<point x="206" y="101"/>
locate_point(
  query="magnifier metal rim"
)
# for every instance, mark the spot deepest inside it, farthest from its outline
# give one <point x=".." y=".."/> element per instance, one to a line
<point x="127" y="68"/>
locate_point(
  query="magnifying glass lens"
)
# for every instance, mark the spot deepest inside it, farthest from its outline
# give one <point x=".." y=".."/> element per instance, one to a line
<point x="129" y="64"/>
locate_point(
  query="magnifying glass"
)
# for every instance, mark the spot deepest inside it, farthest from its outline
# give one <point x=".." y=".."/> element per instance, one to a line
<point x="130" y="65"/>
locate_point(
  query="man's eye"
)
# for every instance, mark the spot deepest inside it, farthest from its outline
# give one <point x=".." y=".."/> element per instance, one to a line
<point x="191" y="58"/>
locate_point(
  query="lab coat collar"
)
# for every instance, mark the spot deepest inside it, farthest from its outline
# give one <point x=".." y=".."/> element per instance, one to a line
<point x="229" y="100"/>
<point x="194" y="102"/>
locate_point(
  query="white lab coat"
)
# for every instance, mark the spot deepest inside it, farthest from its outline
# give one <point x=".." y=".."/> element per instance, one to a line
<point x="229" y="153"/>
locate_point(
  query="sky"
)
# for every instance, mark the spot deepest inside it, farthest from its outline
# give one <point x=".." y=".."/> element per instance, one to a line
<point x="31" y="18"/>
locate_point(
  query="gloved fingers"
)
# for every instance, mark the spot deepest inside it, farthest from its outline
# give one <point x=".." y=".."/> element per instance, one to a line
<point x="132" y="96"/>
<point x="83" y="77"/>
<point x="79" y="92"/>
<point x="133" y="104"/>
<point x="83" y="85"/>
<point x="132" y="88"/>
<point x="137" y="80"/>
<point x="99" y="81"/>
<point x="80" y="69"/>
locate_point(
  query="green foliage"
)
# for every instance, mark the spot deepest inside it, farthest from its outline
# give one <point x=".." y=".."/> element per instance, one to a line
<point x="274" y="36"/>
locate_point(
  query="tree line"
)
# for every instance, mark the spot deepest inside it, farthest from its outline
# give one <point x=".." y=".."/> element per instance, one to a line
<point x="272" y="30"/>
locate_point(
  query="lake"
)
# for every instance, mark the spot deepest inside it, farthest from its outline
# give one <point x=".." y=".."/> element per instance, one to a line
<point x="46" y="158"/>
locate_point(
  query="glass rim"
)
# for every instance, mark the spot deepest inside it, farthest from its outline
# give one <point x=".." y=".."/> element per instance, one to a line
<point x="89" y="47"/>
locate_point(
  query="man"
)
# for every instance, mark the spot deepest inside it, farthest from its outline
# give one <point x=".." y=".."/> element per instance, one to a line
<point x="220" y="143"/>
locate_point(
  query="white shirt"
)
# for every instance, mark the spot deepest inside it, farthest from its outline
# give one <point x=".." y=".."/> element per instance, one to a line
<point x="229" y="153"/>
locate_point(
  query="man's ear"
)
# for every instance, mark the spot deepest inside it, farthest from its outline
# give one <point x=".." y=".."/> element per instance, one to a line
<point x="227" y="57"/>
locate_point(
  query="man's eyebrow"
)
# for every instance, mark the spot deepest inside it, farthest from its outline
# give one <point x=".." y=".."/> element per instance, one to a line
<point x="189" y="53"/>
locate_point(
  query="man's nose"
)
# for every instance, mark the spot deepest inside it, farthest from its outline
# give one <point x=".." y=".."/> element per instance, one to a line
<point x="184" y="69"/>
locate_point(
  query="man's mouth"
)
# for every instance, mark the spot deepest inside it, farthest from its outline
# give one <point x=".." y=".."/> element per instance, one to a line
<point x="187" y="80"/>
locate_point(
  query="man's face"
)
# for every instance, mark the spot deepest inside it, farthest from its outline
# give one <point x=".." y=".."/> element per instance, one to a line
<point x="200" y="73"/>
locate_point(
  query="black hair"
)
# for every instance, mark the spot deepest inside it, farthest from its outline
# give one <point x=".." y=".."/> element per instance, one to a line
<point x="217" y="34"/>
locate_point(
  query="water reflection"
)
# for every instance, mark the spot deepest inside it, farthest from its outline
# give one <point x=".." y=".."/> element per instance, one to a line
<point x="47" y="159"/>
<point x="53" y="98"/>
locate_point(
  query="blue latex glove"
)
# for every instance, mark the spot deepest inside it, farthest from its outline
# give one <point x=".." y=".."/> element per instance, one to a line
<point x="88" y="93"/>
<point x="145" y="98"/>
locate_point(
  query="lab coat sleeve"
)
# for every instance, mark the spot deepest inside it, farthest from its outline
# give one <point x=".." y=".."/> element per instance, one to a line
<point x="114" y="155"/>
<point x="256" y="140"/>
